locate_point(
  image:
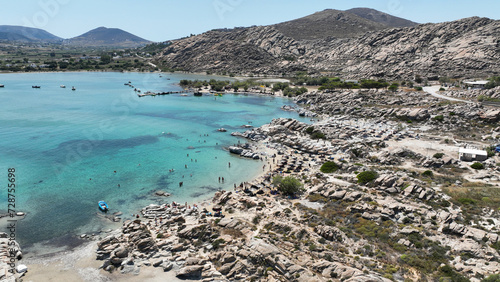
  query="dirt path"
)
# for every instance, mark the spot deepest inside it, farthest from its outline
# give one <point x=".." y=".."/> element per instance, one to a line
<point x="433" y="90"/>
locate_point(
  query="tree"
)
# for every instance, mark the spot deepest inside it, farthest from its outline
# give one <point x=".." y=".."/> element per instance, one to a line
<point x="418" y="79"/>
<point x="288" y="185"/>
<point x="492" y="278"/>
<point x="444" y="79"/>
<point x="493" y="82"/>
<point x="105" y="59"/>
<point x="394" y="87"/>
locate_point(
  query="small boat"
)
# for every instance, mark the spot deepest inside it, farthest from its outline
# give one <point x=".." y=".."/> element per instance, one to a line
<point x="221" y="129"/>
<point x="198" y="94"/>
<point x="73" y="88"/>
<point x="103" y="206"/>
<point x="2" y="86"/>
<point x="35" y="86"/>
<point x="63" y="86"/>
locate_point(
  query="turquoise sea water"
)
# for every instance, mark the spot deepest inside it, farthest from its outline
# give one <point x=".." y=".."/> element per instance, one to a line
<point x="71" y="149"/>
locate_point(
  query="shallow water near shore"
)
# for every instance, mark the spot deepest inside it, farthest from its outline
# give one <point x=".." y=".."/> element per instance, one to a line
<point x="71" y="149"/>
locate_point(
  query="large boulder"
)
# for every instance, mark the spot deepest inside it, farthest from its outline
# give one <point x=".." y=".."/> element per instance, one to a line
<point x="491" y="115"/>
<point x="193" y="232"/>
<point x="190" y="272"/>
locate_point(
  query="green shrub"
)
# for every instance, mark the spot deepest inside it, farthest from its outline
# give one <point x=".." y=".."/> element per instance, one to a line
<point x="318" y="135"/>
<point x="442" y="89"/>
<point x="419" y="88"/>
<point x="216" y="244"/>
<point x="439" y="118"/>
<point x="256" y="219"/>
<point x="477" y="165"/>
<point x="329" y="167"/>
<point x="491" y="151"/>
<point x="450" y="273"/>
<point x="367" y="176"/>
<point x="438" y="155"/>
<point x="310" y="130"/>
<point x="466" y="201"/>
<point x="492" y="278"/>
<point x="288" y="185"/>
<point x="428" y="173"/>
<point x="394" y="87"/>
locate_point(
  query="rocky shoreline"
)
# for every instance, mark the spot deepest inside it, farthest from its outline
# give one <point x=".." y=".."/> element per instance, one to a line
<point x="418" y="217"/>
<point x="399" y="225"/>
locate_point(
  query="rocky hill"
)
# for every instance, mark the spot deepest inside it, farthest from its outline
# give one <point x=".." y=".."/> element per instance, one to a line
<point x="467" y="47"/>
<point x="328" y="23"/>
<point x="380" y="17"/>
<point x="103" y="36"/>
<point x="26" y="34"/>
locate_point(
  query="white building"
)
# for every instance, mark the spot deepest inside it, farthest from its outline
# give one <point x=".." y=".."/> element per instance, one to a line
<point x="480" y="84"/>
<point x="469" y="155"/>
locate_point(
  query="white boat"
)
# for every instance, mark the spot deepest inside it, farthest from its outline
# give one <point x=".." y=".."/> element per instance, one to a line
<point x="73" y="88"/>
<point x="2" y="86"/>
<point x="221" y="129"/>
<point x="63" y="86"/>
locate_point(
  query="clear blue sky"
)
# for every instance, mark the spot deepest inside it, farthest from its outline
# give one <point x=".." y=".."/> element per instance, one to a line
<point x="160" y="20"/>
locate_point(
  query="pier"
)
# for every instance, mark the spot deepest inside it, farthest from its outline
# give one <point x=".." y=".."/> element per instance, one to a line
<point x="149" y="93"/>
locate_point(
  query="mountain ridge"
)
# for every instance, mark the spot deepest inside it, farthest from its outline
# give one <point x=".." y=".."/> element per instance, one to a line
<point x="466" y="47"/>
<point x="103" y="36"/>
<point x="27" y="34"/>
<point x="381" y="17"/>
<point x="328" y="23"/>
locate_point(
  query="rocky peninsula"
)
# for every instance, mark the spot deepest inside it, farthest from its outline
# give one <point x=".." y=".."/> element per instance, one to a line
<point x="396" y="204"/>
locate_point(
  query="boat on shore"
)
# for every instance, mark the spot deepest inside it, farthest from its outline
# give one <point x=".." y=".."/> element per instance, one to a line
<point x="35" y="86"/>
<point x="103" y="206"/>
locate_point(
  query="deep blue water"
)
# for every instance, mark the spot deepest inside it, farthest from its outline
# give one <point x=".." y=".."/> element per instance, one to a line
<point x="71" y="149"/>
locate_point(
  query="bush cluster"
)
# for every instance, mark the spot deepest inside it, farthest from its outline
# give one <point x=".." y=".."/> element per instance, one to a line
<point x="367" y="176"/>
<point x="329" y="167"/>
<point x="477" y="165"/>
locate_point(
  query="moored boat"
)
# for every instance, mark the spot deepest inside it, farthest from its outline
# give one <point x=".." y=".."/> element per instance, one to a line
<point x="73" y="88"/>
<point x="198" y="94"/>
<point x="2" y="86"/>
<point x="221" y="129"/>
<point x="63" y="86"/>
<point x="35" y="86"/>
<point x="103" y="206"/>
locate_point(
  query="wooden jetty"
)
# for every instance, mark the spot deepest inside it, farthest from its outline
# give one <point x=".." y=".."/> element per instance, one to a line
<point x="150" y="93"/>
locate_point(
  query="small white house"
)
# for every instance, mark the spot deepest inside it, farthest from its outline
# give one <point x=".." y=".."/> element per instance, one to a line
<point x="469" y="155"/>
<point x="481" y="84"/>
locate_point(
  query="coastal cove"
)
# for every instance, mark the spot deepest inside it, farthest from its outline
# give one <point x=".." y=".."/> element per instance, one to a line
<point x="102" y="142"/>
